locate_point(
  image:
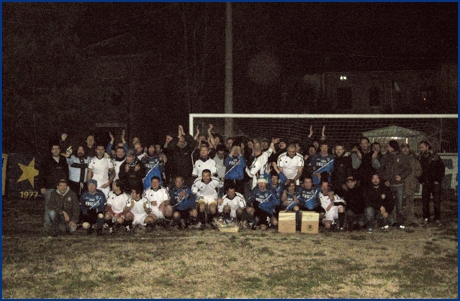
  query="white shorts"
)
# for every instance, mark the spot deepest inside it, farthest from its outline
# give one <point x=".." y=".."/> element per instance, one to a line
<point x="139" y="219"/>
<point x="220" y="209"/>
<point x="157" y="212"/>
<point x="207" y="199"/>
<point x="332" y="214"/>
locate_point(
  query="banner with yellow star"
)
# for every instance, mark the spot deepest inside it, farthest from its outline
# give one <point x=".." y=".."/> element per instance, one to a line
<point x="22" y="174"/>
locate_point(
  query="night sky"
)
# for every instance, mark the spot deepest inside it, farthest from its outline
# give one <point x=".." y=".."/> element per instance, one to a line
<point x="184" y="43"/>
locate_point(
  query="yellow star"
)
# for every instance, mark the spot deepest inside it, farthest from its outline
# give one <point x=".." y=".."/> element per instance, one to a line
<point x="28" y="172"/>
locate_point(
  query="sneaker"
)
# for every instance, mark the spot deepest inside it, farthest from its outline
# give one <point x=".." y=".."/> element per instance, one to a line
<point x="370" y="230"/>
<point x="110" y="230"/>
<point x="99" y="232"/>
<point x="384" y="228"/>
<point x="401" y="227"/>
<point x="197" y="226"/>
<point x="149" y="228"/>
<point x="425" y="222"/>
<point x="128" y="229"/>
<point x="89" y="231"/>
<point x="341" y="229"/>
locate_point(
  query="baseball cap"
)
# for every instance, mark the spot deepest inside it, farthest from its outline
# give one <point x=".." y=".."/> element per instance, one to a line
<point x="351" y="178"/>
<point x="92" y="181"/>
<point x="262" y="179"/>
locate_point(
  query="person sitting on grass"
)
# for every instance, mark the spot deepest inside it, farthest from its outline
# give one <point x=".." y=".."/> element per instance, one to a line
<point x="158" y="197"/>
<point x="232" y="206"/>
<point x="378" y="204"/>
<point x="116" y="202"/>
<point x="333" y="205"/>
<point x="138" y="210"/>
<point x="92" y="205"/>
<point x="183" y="204"/>
<point x="64" y="208"/>
<point x="207" y="190"/>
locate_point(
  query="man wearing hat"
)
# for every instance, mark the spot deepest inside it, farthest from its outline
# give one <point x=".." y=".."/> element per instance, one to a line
<point x="261" y="205"/>
<point x="92" y="206"/>
<point x="394" y="169"/>
<point x="351" y="192"/>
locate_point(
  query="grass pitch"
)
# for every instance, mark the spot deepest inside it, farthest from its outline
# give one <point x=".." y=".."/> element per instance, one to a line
<point x="416" y="263"/>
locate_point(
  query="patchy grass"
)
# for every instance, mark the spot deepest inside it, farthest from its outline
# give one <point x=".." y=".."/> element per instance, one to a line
<point x="210" y="264"/>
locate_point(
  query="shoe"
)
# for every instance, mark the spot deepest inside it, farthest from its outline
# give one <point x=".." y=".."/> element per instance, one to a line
<point x="197" y="226"/>
<point x="202" y="227"/>
<point x="149" y="228"/>
<point x="425" y="222"/>
<point x="110" y="230"/>
<point x="99" y="232"/>
<point x="252" y="226"/>
<point x="370" y="230"/>
<point x="89" y="231"/>
<point x="401" y="227"/>
<point x="438" y="223"/>
<point x="341" y="229"/>
<point x="128" y="229"/>
<point x="384" y="228"/>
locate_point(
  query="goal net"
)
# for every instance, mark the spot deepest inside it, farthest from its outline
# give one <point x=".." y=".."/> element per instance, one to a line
<point x="440" y="130"/>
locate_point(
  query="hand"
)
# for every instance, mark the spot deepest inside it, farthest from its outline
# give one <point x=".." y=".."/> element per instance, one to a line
<point x="66" y="216"/>
<point x="311" y="131"/>
<point x="275" y="140"/>
<point x="329" y="207"/>
<point x="219" y="201"/>
<point x="322" y="131"/>
<point x="63" y="136"/>
<point x="112" y="137"/>
<point x="182" y="194"/>
<point x="210" y="127"/>
<point x="154" y="203"/>
<point x="106" y="185"/>
<point x="197" y="129"/>
<point x="317" y="174"/>
<point x="137" y="167"/>
<point x="43" y="191"/>
<point x="385" y="214"/>
<point x="331" y="195"/>
<point x="398" y="178"/>
<point x="126" y="167"/>
<point x="168" y="139"/>
<point x="123" y="134"/>
<point x="387" y="184"/>
<point x="436" y="183"/>
<point x="375" y="154"/>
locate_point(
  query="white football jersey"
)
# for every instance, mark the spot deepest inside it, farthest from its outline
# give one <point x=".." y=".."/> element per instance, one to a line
<point x="201" y="189"/>
<point x="237" y="202"/>
<point x="290" y="165"/>
<point x="100" y="169"/>
<point x="159" y="195"/>
<point x="259" y="166"/>
<point x="116" y="166"/>
<point x="200" y="166"/>
<point x="117" y="202"/>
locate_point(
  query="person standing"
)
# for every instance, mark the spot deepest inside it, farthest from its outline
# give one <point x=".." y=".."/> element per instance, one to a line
<point x="433" y="171"/>
<point x="54" y="169"/>
<point x="410" y="184"/>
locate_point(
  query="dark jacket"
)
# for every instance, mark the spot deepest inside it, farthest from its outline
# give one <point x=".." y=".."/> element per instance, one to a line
<point x="377" y="197"/>
<point x="433" y="168"/>
<point x="52" y="171"/>
<point x="342" y="169"/>
<point x="354" y="198"/>
<point x="131" y="178"/>
<point x="394" y="164"/>
<point x="67" y="202"/>
<point x="181" y="158"/>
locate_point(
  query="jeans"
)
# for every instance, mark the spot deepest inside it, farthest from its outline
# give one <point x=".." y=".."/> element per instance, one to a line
<point x="47" y="224"/>
<point x="398" y="196"/>
<point x="56" y="220"/>
<point x="372" y="215"/>
<point x="355" y="218"/>
<point x="427" y="190"/>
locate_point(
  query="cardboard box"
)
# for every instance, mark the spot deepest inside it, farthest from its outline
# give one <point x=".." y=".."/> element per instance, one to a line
<point x="310" y="222"/>
<point x="286" y="222"/>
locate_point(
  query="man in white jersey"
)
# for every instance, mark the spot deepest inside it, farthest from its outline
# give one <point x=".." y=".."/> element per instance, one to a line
<point x="207" y="190"/>
<point x="204" y="162"/>
<point x="100" y="168"/>
<point x="260" y="164"/>
<point x="137" y="208"/>
<point x="116" y="204"/>
<point x="333" y="205"/>
<point x="291" y="163"/>
<point x="158" y="198"/>
<point x="232" y="205"/>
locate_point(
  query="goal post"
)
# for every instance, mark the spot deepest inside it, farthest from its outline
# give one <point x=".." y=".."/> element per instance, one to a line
<point x="440" y="130"/>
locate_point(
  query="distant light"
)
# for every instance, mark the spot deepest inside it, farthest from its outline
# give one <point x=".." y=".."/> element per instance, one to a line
<point x="343" y="77"/>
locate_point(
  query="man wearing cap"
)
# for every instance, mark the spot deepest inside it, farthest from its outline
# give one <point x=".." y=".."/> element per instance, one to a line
<point x="410" y="184"/>
<point x="100" y="168"/>
<point x="261" y="205"/>
<point x="352" y="194"/>
<point x="132" y="171"/>
<point x="291" y="164"/>
<point x="64" y="208"/>
<point x="378" y="204"/>
<point x="92" y="206"/>
<point x="394" y="169"/>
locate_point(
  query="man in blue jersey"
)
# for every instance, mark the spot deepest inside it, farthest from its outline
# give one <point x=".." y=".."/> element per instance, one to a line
<point x="92" y="205"/>
<point x="183" y="203"/>
<point x="154" y="161"/>
<point x="322" y="165"/>
<point x="234" y="169"/>
<point x="262" y="202"/>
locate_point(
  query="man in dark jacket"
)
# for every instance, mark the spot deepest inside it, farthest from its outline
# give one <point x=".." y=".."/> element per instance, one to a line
<point x="433" y="170"/>
<point x="342" y="167"/>
<point x="378" y="200"/>
<point x="179" y="150"/>
<point x="132" y="171"/>
<point x="54" y="168"/>
<point x="351" y="192"/>
<point x="64" y="208"/>
<point x="394" y="169"/>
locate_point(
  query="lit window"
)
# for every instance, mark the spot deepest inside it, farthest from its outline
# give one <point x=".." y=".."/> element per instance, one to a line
<point x="343" y="77"/>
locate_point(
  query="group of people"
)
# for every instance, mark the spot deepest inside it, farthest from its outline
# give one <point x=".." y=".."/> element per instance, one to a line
<point x="207" y="181"/>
